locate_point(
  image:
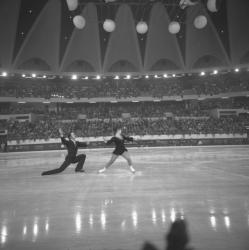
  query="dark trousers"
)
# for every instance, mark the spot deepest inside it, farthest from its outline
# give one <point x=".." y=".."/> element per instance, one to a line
<point x="80" y="159"/>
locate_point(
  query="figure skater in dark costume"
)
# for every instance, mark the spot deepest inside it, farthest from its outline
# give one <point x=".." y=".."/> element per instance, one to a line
<point x="72" y="157"/>
<point x="120" y="149"/>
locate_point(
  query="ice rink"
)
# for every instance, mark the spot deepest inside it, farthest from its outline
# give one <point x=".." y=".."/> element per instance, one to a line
<point x="209" y="186"/>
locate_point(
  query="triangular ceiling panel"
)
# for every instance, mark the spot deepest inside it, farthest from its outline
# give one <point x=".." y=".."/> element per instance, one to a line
<point x="220" y="22"/>
<point x="42" y="42"/>
<point x="160" y="43"/>
<point x="142" y="14"/>
<point x="123" y="44"/>
<point x="238" y="28"/>
<point x="9" y="13"/>
<point x="108" y="12"/>
<point x="204" y="42"/>
<point x="84" y="45"/>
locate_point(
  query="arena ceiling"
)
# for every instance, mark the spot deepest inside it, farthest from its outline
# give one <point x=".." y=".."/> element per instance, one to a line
<point x="40" y="36"/>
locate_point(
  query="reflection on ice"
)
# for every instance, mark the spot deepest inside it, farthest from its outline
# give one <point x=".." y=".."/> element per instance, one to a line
<point x="24" y="230"/>
<point x="103" y="219"/>
<point x="172" y="215"/>
<point x="213" y="221"/>
<point x="78" y="222"/>
<point x="134" y="218"/>
<point x="163" y="216"/>
<point x="35" y="228"/>
<point x="227" y="222"/>
<point x="4" y="234"/>
<point x="123" y="225"/>
<point x="47" y="225"/>
<point x="153" y="215"/>
<point x="91" y="220"/>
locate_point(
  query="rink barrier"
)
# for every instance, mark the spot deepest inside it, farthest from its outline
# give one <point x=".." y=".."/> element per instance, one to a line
<point x="140" y="141"/>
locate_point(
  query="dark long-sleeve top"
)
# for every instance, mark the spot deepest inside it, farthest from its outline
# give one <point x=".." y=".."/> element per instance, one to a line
<point x="119" y="144"/>
<point x="72" y="147"/>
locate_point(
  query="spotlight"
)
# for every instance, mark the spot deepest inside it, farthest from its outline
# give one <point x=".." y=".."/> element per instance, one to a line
<point x="98" y="77"/>
<point x="156" y="76"/>
<point x="236" y="70"/>
<point x="203" y="73"/>
<point x="128" y="77"/>
<point x="74" y="77"/>
<point x="174" y="75"/>
<point x="165" y="75"/>
<point x="4" y="74"/>
<point x="215" y="72"/>
<point x="85" y="78"/>
<point x="44" y="76"/>
<point x="146" y="76"/>
<point x="116" y="77"/>
<point x="33" y="75"/>
<point x="23" y="75"/>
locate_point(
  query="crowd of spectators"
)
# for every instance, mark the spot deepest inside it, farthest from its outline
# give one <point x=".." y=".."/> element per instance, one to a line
<point x="142" y="109"/>
<point x="48" y="128"/>
<point x="146" y="118"/>
<point x="60" y="111"/>
<point x="123" y="88"/>
<point x="98" y="119"/>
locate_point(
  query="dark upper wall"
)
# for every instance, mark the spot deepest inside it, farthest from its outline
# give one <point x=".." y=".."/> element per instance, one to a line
<point x="41" y="46"/>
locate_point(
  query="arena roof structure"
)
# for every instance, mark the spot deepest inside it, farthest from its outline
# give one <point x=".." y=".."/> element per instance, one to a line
<point x="39" y="36"/>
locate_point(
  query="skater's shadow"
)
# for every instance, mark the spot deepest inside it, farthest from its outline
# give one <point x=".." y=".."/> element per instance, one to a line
<point x="176" y="239"/>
